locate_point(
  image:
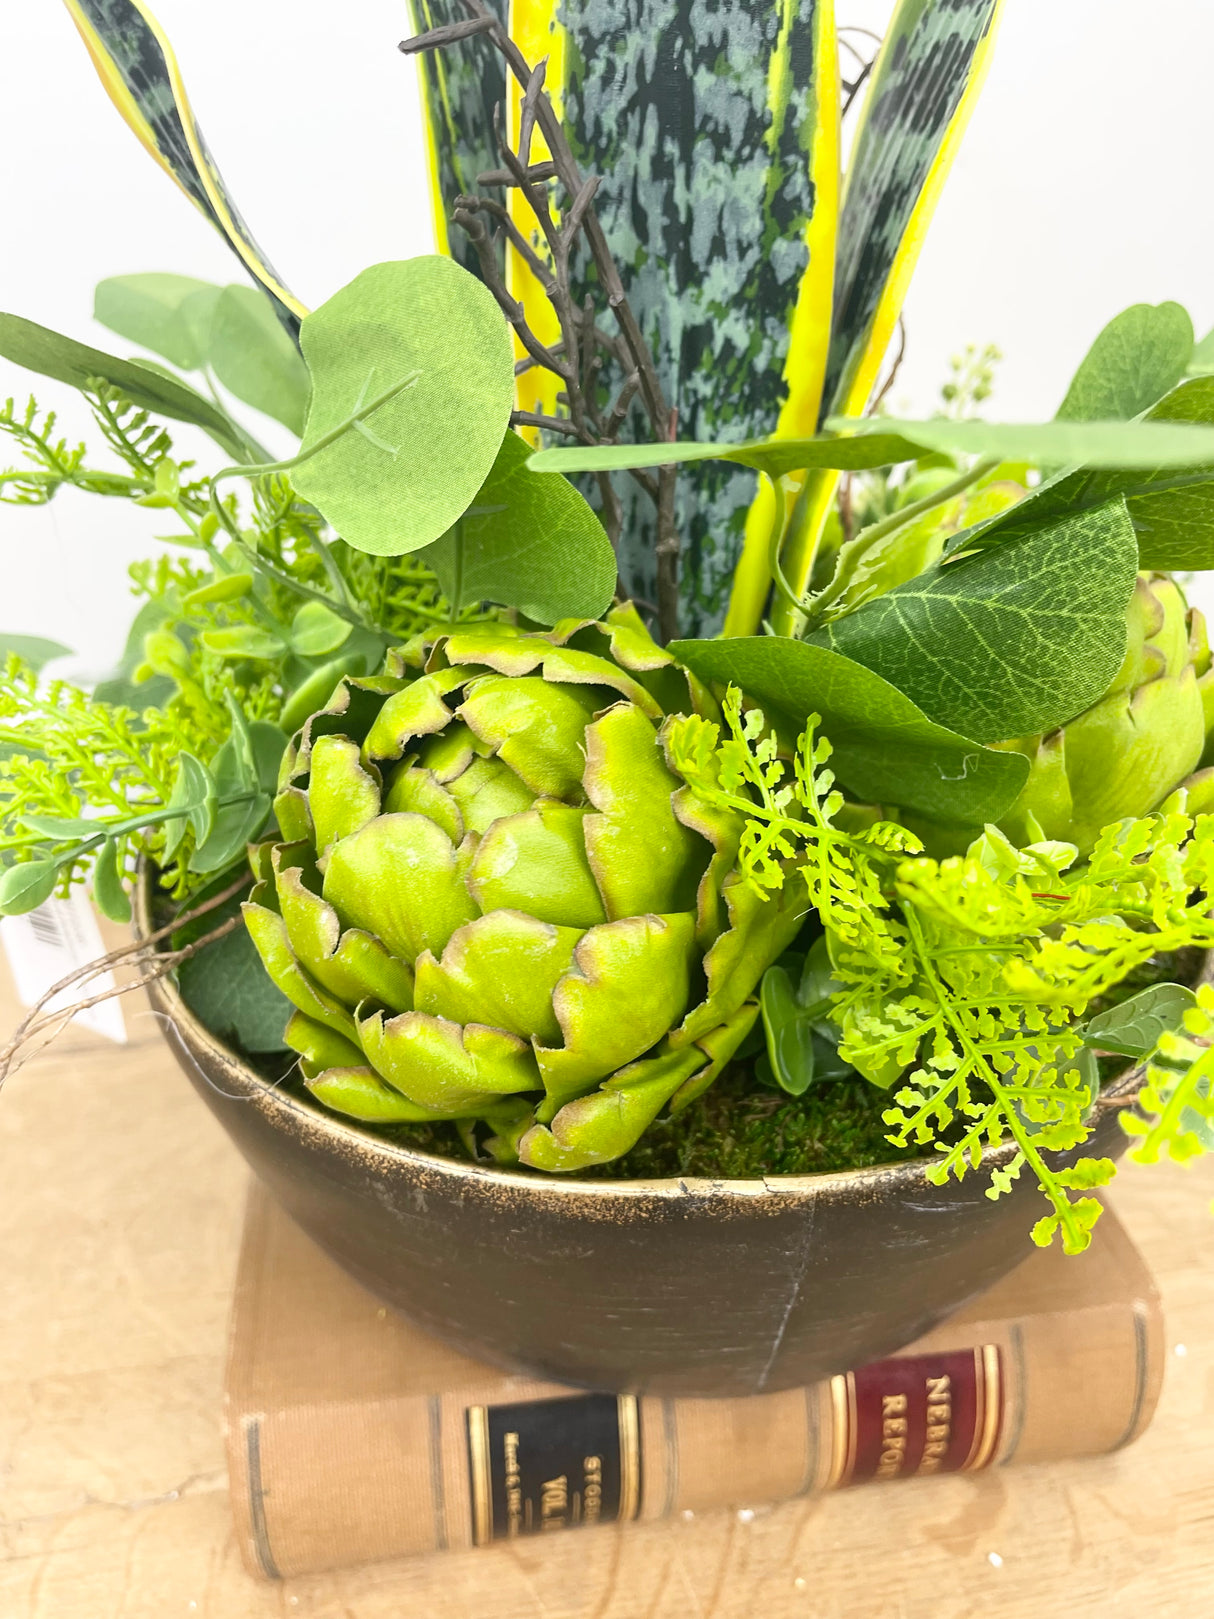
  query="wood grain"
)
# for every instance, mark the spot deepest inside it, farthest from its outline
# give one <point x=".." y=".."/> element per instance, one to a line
<point x="122" y="1207"/>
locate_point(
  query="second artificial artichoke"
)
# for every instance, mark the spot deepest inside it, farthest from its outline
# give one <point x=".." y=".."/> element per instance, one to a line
<point x="496" y="902"/>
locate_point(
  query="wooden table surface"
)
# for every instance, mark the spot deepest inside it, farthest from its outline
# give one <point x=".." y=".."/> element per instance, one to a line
<point x="122" y="1205"/>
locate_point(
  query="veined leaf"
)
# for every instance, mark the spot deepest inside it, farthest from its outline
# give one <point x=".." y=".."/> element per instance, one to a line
<point x="924" y="85"/>
<point x="193" y="788"/>
<point x="1151" y="444"/>
<point x="528" y="543"/>
<point x="401" y="475"/>
<point x="886" y="750"/>
<point x="1133" y="1028"/>
<point x="1138" y="357"/>
<point x="26" y="886"/>
<point x="317" y="629"/>
<point x="1172" y="510"/>
<point x="137" y="66"/>
<point x="169" y="314"/>
<point x="1008" y="642"/>
<point x="775" y="456"/>
<point x="50" y="354"/>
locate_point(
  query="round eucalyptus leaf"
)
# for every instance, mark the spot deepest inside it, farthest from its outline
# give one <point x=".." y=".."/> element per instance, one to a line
<point x="430" y="336"/>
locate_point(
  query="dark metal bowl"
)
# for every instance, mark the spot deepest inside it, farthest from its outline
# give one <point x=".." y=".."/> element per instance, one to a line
<point x="673" y="1287"/>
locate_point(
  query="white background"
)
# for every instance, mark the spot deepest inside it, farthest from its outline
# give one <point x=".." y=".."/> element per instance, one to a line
<point x="1081" y="187"/>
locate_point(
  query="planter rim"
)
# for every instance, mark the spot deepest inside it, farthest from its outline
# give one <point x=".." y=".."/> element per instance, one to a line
<point x="674" y="1187"/>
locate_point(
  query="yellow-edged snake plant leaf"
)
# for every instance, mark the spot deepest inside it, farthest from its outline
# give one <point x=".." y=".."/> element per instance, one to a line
<point x="718" y="151"/>
<point x="497" y="899"/>
<point x="139" y="70"/>
<point x="924" y="85"/>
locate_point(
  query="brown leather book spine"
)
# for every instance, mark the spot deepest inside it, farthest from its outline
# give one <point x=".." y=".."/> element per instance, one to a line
<point x="399" y="1446"/>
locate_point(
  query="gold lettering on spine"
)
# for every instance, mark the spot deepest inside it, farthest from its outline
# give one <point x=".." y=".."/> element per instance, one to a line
<point x="939" y="1424"/>
<point x="482" y="1497"/>
<point x="630" y="1457"/>
<point x="892" y="1457"/>
<point x="592" y="1488"/>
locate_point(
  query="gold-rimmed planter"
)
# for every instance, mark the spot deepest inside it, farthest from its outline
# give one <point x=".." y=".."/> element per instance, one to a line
<point x="672" y="1287"/>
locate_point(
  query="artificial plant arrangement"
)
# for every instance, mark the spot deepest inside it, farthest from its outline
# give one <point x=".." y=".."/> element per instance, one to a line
<point x="887" y="777"/>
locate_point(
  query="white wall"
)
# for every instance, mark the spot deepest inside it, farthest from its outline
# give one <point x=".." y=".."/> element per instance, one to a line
<point x="1079" y="189"/>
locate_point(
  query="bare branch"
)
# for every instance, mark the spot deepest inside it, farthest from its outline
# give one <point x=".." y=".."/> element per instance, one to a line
<point x="449" y="34"/>
<point x="536" y="173"/>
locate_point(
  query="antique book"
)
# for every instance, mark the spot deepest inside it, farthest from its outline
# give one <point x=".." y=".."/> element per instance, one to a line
<point x="354" y="1436"/>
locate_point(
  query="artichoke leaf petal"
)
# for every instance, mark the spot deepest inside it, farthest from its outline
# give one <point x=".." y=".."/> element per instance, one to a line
<point x="353" y="965"/>
<point x="416" y="710"/>
<point x="597" y="1128"/>
<point x="644" y="859"/>
<point x="414" y="790"/>
<point x="761" y="927"/>
<point x="399" y="878"/>
<point x="488" y="790"/>
<point x="269" y="933"/>
<point x="359" y="1093"/>
<point x="536" y="862"/>
<point x="536" y="727"/>
<point x="439" y="1064"/>
<point x="500" y="970"/>
<point x="718" y="1045"/>
<point x="629" y="984"/>
<point x="320" y="1047"/>
<point x="342" y="796"/>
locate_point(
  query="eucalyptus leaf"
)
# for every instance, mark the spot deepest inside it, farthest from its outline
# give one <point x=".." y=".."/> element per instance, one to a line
<point x="109" y="891"/>
<point x="169" y="314"/>
<point x="35" y="650"/>
<point x="774" y="456"/>
<point x="1133" y="1028"/>
<point x="1152" y="444"/>
<point x="1201" y="361"/>
<point x="886" y="750"/>
<point x="254" y="357"/>
<point x="533" y="544"/>
<point x="402" y="474"/>
<point x="193" y="787"/>
<point x="26" y="886"/>
<point x="1006" y="642"/>
<point x="225" y="984"/>
<point x="242" y="776"/>
<point x="62" y="827"/>
<point x="1139" y="356"/>
<point x="50" y="354"/>
<point x="243" y="641"/>
<point x="1172" y="510"/>
<point x="788" y="1032"/>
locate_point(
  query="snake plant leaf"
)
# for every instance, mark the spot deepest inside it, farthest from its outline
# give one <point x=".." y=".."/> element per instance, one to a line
<point x="1137" y="358"/>
<point x="924" y="85"/>
<point x="139" y="71"/>
<point x="886" y="750"/>
<point x="50" y="354"/>
<point x="431" y="338"/>
<point x="1008" y="642"/>
<point x="1154" y="443"/>
<point x="718" y="147"/>
<point x="254" y="357"/>
<point x="775" y="456"/>
<point x="1133" y="1028"/>
<point x="1172" y="509"/>
<point x="169" y="314"/>
<point x="526" y="543"/>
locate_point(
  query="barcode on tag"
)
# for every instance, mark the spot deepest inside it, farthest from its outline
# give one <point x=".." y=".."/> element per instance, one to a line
<point x="46" y="945"/>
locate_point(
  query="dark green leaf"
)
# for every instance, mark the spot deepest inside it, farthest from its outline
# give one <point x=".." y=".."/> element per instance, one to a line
<point x="237" y="772"/>
<point x="268" y="743"/>
<point x="50" y="354"/>
<point x="1153" y="443"/>
<point x="776" y="457"/>
<point x="255" y="359"/>
<point x="886" y="750"/>
<point x="1007" y="642"/>
<point x="316" y="690"/>
<point x="1133" y="1028"/>
<point x="169" y="314"/>
<point x="402" y="475"/>
<point x="225" y="984"/>
<point x="35" y="650"/>
<point x="527" y="543"/>
<point x="1172" y="511"/>
<point x="26" y="886"/>
<point x="1138" y="357"/>
<point x="790" y="1047"/>
<point x="109" y="892"/>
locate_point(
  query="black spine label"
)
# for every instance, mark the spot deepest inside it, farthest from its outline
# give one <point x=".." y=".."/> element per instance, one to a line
<point x="553" y="1464"/>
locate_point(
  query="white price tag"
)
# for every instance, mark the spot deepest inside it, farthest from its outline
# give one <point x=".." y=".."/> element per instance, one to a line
<point x="45" y="945"/>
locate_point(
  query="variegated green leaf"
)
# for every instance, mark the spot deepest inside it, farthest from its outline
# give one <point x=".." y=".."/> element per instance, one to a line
<point x="136" y="64"/>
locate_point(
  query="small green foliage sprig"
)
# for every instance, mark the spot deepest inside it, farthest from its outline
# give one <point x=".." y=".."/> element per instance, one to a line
<point x="965" y="982"/>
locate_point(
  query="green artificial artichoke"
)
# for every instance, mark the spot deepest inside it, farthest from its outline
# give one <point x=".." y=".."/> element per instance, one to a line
<point x="496" y="902"/>
<point x="1144" y="738"/>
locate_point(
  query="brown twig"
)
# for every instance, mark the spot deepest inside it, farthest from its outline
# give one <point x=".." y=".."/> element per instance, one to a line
<point x="38" y="1020"/>
<point x="893" y="370"/>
